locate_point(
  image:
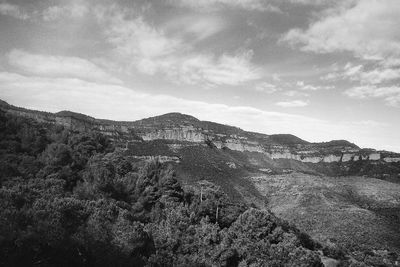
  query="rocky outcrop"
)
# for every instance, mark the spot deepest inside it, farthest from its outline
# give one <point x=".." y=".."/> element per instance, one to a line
<point x="185" y="133"/>
<point x="331" y="158"/>
<point x="161" y="159"/>
<point x="239" y="145"/>
<point x="266" y="170"/>
<point x="389" y="159"/>
<point x="231" y="165"/>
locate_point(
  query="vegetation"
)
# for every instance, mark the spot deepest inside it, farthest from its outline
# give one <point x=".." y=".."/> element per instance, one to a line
<point x="358" y="215"/>
<point x="69" y="199"/>
<point x="286" y="139"/>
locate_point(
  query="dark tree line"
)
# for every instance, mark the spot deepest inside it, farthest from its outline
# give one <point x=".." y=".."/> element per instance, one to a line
<point x="69" y="199"/>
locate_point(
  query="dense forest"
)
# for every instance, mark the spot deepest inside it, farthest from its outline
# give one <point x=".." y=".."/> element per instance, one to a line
<point x="71" y="199"/>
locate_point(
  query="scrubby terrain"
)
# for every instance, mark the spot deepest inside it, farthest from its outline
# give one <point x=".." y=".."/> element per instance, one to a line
<point x="70" y="199"/>
<point x="359" y="214"/>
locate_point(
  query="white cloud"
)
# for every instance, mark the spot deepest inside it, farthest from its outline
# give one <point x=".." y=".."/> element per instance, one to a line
<point x="76" y="9"/>
<point x="308" y="87"/>
<point x="266" y="87"/>
<point x="368" y="29"/>
<point x="371" y="123"/>
<point x="137" y="38"/>
<point x="297" y="93"/>
<point x="292" y="104"/>
<point x="253" y="5"/>
<point x="312" y="2"/>
<point x="379" y="75"/>
<point x="196" y="27"/>
<point x="72" y="10"/>
<point x="207" y="5"/>
<point x="374" y="76"/>
<point x="58" y="66"/>
<point x="153" y="51"/>
<point x="392" y="62"/>
<point x="330" y="77"/>
<point x="391" y="95"/>
<point x="13" y="11"/>
<point x="276" y="77"/>
<point x="350" y="70"/>
<point x="206" y="70"/>
<point x="210" y="70"/>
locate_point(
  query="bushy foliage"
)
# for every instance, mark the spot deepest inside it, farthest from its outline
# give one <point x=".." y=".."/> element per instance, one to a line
<point x="68" y="199"/>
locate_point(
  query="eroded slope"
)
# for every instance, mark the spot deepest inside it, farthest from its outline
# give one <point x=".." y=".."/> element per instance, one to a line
<point x="358" y="213"/>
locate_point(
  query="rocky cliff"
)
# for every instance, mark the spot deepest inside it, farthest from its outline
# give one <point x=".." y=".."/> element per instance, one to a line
<point x="289" y="147"/>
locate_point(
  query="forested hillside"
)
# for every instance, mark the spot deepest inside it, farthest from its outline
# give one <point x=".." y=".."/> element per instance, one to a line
<point x="70" y="199"/>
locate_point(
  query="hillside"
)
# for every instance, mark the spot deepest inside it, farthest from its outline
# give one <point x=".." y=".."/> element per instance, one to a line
<point x="321" y="187"/>
<point x="356" y="213"/>
<point x="69" y="198"/>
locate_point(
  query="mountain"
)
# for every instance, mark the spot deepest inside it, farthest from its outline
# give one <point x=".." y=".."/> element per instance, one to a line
<point x="278" y="153"/>
<point x="69" y="198"/>
<point x="336" y="191"/>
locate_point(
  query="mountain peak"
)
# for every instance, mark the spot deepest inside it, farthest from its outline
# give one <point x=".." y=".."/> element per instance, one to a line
<point x="338" y="143"/>
<point x="177" y="116"/>
<point x="173" y="118"/>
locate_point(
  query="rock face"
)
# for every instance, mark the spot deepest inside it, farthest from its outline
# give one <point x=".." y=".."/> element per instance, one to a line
<point x="391" y="159"/>
<point x="161" y="159"/>
<point x="184" y="130"/>
<point x="185" y="133"/>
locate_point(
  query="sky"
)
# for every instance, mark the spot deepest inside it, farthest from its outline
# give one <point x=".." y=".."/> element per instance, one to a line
<point x="319" y="69"/>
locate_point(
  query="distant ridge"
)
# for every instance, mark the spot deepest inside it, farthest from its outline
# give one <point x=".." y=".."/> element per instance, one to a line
<point x="283" y="150"/>
<point x="170" y="118"/>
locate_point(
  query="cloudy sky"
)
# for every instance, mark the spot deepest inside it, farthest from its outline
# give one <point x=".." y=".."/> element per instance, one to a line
<point x="319" y="69"/>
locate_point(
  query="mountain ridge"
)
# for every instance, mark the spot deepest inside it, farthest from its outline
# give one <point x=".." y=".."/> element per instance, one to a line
<point x="194" y="145"/>
<point x="174" y="117"/>
<point x="178" y="119"/>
